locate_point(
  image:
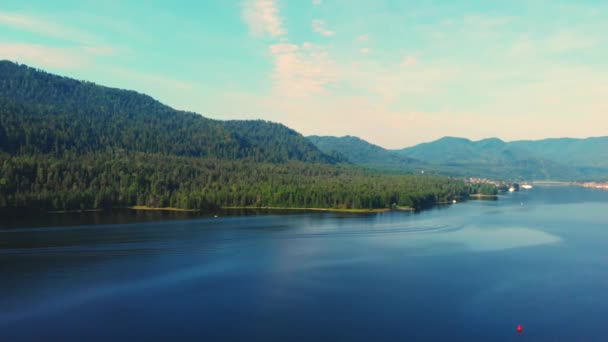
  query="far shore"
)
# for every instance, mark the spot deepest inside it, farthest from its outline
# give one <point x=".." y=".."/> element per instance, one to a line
<point x="73" y="211"/>
<point x="143" y="207"/>
<point x="595" y="185"/>
<point x="483" y="196"/>
<point x="173" y="209"/>
<point x="337" y="210"/>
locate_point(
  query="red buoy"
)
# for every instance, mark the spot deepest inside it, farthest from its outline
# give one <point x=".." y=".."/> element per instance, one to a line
<point x="520" y="329"/>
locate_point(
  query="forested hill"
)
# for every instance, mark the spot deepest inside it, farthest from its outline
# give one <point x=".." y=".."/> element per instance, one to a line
<point x="557" y="159"/>
<point x="361" y="152"/>
<point x="589" y="152"/>
<point x="72" y="145"/>
<point x="45" y="113"/>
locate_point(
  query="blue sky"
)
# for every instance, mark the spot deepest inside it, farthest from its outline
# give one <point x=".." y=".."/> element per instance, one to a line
<point x="393" y="72"/>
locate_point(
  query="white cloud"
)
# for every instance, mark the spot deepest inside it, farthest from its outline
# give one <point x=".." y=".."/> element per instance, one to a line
<point x="480" y="74"/>
<point x="409" y="61"/>
<point x="317" y="2"/>
<point x="363" y="37"/>
<point x="278" y="49"/>
<point x="301" y="71"/>
<point x="262" y="16"/>
<point x="320" y="27"/>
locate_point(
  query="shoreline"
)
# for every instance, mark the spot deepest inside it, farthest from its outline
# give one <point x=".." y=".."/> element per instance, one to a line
<point x="482" y="196"/>
<point x="594" y="185"/>
<point x="73" y="211"/>
<point x="337" y="210"/>
<point x="174" y="209"/>
<point x="144" y="207"/>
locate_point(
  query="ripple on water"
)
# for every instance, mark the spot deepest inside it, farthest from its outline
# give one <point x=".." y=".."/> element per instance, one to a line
<point x="494" y="238"/>
<point x="479" y="239"/>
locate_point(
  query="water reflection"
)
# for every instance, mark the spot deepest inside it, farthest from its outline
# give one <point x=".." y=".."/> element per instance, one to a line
<point x="326" y="276"/>
<point x="499" y="238"/>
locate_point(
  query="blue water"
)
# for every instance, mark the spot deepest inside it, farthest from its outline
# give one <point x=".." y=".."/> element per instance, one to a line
<point x="471" y="271"/>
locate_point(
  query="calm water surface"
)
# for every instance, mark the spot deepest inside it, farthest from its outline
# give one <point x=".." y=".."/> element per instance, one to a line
<point x="470" y="272"/>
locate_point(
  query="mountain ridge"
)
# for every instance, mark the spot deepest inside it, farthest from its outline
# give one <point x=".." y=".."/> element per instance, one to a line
<point x="362" y="152"/>
<point x="46" y="113"/>
<point x="72" y="145"/>
<point x="490" y="157"/>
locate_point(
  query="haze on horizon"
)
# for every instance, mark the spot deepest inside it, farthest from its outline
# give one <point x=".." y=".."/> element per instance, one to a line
<point x="395" y="73"/>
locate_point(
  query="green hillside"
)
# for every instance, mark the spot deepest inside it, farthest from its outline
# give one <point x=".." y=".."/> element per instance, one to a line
<point x="558" y="159"/>
<point x="590" y="152"/>
<point x="361" y="152"/>
<point x="67" y="144"/>
<point x="555" y="159"/>
<point x="43" y="113"/>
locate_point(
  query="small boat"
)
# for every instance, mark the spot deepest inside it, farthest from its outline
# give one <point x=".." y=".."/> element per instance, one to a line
<point x="511" y="189"/>
<point x="526" y="186"/>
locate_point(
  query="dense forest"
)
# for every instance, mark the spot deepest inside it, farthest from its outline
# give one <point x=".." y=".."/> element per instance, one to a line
<point x="66" y="145"/>
<point x="45" y="113"/>
<point x="123" y="179"/>
<point x="553" y="159"/>
<point x="361" y="152"/>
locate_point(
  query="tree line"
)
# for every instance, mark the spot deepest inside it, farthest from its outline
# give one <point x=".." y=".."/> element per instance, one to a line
<point x="69" y="145"/>
<point x="120" y="179"/>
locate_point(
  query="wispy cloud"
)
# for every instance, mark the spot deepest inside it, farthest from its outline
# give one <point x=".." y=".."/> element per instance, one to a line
<point x="82" y="49"/>
<point x="568" y="40"/>
<point x="456" y="72"/>
<point x="43" y="56"/>
<point x="408" y="61"/>
<point x="46" y="27"/>
<point x="152" y="79"/>
<point x="105" y="51"/>
<point x="262" y="16"/>
<point x="562" y="41"/>
<point x="486" y="21"/>
<point x="317" y="2"/>
<point x="363" y="37"/>
<point x="320" y="27"/>
<point x="385" y="83"/>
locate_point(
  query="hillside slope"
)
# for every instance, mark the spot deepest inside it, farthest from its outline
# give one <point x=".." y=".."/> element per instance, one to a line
<point x="361" y="152"/>
<point x="72" y="145"/>
<point x="45" y="113"/>
<point x="544" y="159"/>
<point x="589" y="152"/>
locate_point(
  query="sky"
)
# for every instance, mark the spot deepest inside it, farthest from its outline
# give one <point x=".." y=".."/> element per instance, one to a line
<point x="393" y="72"/>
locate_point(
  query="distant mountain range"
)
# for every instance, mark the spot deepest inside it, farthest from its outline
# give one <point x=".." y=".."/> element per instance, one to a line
<point x="42" y="113"/>
<point x="361" y="152"/>
<point x="557" y="159"/>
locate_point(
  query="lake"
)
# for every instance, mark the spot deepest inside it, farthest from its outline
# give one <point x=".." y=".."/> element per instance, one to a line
<point x="471" y="271"/>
